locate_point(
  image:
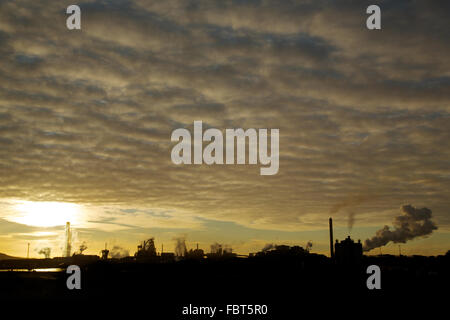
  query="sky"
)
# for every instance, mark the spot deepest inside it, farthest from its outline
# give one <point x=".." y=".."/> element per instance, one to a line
<point x="86" y="118"/>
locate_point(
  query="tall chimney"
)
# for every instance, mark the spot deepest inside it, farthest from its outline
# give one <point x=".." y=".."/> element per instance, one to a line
<point x="331" y="238"/>
<point x="68" y="240"/>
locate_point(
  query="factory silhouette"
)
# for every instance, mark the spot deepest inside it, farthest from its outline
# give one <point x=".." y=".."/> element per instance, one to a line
<point x="344" y="252"/>
<point x="278" y="275"/>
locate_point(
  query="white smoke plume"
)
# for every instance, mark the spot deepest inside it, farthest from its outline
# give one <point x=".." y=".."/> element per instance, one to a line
<point x="410" y="224"/>
<point x="180" y="246"/>
<point x="218" y="248"/>
<point x="46" y="252"/>
<point x="83" y="247"/>
<point x="268" y="247"/>
<point x="227" y="249"/>
<point x="74" y="240"/>
<point x="349" y="203"/>
<point x="351" y="220"/>
<point x="118" y="252"/>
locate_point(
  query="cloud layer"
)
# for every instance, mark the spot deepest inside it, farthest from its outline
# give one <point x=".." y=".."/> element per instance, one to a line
<point x="86" y="116"/>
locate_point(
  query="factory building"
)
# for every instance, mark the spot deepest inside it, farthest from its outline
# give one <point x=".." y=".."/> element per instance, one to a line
<point x="146" y="250"/>
<point x="348" y="252"/>
<point x="105" y="253"/>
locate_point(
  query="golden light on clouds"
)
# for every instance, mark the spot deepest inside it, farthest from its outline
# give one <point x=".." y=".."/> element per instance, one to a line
<point x="46" y="214"/>
<point x="86" y="118"/>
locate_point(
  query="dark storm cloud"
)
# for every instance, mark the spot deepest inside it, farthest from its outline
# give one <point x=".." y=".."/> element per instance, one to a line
<point x="86" y="115"/>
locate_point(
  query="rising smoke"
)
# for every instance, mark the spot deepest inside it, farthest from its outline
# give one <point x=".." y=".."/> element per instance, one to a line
<point x="83" y="247"/>
<point x="218" y="248"/>
<point x="350" y="221"/>
<point x="410" y="224"/>
<point x="63" y="242"/>
<point x="180" y="246"/>
<point x="46" y="252"/>
<point x="227" y="248"/>
<point x="351" y="202"/>
<point x="118" y="252"/>
<point x="268" y="247"/>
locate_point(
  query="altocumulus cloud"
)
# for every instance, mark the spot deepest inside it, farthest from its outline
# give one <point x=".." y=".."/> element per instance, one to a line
<point x="86" y="116"/>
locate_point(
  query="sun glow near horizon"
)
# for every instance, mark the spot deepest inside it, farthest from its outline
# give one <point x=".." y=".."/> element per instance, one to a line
<point x="46" y="214"/>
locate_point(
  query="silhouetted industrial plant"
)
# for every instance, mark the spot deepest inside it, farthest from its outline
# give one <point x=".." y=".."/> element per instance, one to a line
<point x="265" y="273"/>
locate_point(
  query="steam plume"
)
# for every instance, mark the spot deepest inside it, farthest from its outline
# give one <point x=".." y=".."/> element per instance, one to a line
<point x="268" y="247"/>
<point x="410" y="224"/>
<point x="218" y="248"/>
<point x="83" y="247"/>
<point x="118" y="252"/>
<point x="351" y="221"/>
<point x="180" y="246"/>
<point x="349" y="202"/>
<point x="46" y="252"/>
<point x="227" y="248"/>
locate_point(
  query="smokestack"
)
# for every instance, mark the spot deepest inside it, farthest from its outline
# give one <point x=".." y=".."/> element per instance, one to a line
<point x="68" y="240"/>
<point x="331" y="238"/>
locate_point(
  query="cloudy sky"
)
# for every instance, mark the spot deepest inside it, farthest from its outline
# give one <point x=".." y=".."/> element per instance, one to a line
<point x="86" y="118"/>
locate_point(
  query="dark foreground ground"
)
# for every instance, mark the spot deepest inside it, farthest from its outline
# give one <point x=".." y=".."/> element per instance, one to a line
<point x="288" y="287"/>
